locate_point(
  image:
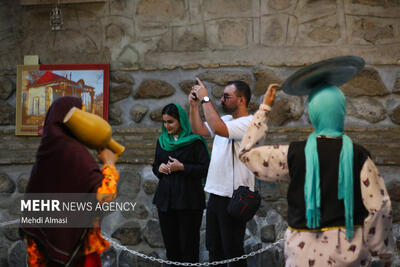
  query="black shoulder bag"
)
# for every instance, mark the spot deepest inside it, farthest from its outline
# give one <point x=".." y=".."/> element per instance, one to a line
<point x="244" y="202"/>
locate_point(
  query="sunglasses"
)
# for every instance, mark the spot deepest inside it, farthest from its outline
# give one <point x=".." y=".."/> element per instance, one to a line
<point x="226" y="96"/>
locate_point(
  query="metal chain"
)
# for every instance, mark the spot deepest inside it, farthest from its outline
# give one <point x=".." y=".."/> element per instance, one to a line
<point x="151" y="258"/>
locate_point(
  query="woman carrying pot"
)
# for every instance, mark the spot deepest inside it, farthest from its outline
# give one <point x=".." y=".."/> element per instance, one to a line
<point x="64" y="165"/>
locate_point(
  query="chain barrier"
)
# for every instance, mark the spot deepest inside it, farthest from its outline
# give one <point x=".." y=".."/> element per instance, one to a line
<point x="214" y="263"/>
<point x="154" y="259"/>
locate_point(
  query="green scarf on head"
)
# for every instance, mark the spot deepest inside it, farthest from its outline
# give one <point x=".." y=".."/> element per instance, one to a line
<point x="327" y="110"/>
<point x="167" y="141"/>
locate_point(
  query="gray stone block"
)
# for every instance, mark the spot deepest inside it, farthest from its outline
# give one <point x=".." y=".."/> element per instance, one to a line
<point x="252" y="226"/>
<point x="155" y="115"/>
<point x="7" y="113"/>
<point x="396" y="88"/>
<point x="281" y="206"/>
<point x="217" y="91"/>
<point x="264" y="77"/>
<point x="395" y="115"/>
<point x="11" y="232"/>
<point x="129" y="184"/>
<point x="122" y="77"/>
<point x="152" y="234"/>
<point x="126" y="259"/>
<point x="186" y="86"/>
<point x="396" y="211"/>
<point x="273" y="257"/>
<point x="22" y="182"/>
<point x="273" y="31"/>
<point x="160" y="10"/>
<point x="120" y="91"/>
<point x="114" y="115"/>
<point x="109" y="258"/>
<point x="17" y="255"/>
<point x="366" y="30"/>
<point x="268" y="233"/>
<point x="367" y="109"/>
<point x="128" y="234"/>
<point x="138" y="112"/>
<point x="218" y="8"/>
<point x="6" y="88"/>
<point x="222" y="77"/>
<point x="150" y="186"/>
<point x="190" y="38"/>
<point x="154" y="89"/>
<point x="7" y="186"/>
<point x="367" y="83"/>
<point x="140" y="212"/>
<point x="286" y="109"/>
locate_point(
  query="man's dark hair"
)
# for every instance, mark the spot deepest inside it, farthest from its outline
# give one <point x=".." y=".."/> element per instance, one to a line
<point x="171" y="110"/>
<point x="242" y="89"/>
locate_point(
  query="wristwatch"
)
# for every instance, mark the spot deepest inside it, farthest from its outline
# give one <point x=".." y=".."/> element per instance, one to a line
<point x="205" y="100"/>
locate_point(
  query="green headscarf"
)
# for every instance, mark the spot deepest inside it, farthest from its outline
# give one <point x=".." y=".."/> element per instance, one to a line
<point x="327" y="110"/>
<point x="167" y="141"/>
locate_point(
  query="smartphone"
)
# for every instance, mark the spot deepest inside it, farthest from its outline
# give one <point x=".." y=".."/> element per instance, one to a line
<point x="194" y="94"/>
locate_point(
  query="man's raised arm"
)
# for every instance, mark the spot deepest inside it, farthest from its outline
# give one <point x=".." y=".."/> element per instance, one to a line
<point x="196" y="123"/>
<point x="215" y="122"/>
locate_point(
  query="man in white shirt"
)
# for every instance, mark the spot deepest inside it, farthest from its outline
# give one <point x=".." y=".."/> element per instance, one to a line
<point x="224" y="234"/>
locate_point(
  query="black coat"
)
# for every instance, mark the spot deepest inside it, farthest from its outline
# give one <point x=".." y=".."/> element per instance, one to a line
<point x="182" y="190"/>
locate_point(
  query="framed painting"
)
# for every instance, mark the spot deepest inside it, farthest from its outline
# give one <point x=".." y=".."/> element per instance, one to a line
<point x="39" y="85"/>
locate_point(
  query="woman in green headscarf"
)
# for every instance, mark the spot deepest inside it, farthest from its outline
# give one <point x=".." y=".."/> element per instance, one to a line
<point x="181" y="163"/>
<point x="339" y="211"/>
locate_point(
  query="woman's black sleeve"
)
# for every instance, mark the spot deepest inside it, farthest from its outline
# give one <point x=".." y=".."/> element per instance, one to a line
<point x="198" y="169"/>
<point x="156" y="163"/>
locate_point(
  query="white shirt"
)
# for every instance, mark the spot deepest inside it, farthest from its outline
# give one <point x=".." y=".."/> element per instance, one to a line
<point x="221" y="179"/>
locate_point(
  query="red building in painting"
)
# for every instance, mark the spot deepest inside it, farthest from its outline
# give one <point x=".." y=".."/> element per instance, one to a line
<point x="43" y="91"/>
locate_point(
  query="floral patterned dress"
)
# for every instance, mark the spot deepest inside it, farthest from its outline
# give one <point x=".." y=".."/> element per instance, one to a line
<point x="326" y="246"/>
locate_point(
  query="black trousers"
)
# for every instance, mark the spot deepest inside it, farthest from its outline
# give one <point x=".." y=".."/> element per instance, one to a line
<point x="224" y="234"/>
<point x="181" y="234"/>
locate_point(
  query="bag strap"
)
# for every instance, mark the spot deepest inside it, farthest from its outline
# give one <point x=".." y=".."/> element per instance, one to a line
<point x="233" y="165"/>
<point x="233" y="169"/>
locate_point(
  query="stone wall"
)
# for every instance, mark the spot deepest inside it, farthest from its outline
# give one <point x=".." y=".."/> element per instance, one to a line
<point x="169" y="33"/>
<point x="156" y="48"/>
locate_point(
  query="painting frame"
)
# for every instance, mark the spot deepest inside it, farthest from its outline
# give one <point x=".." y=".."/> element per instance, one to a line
<point x="39" y="85"/>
